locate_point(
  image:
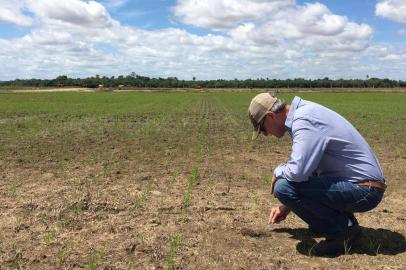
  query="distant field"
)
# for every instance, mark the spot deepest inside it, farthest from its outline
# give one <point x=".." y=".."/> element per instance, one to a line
<point x="172" y="180"/>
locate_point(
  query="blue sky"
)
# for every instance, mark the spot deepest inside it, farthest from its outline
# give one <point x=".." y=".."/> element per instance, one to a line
<point x="207" y="39"/>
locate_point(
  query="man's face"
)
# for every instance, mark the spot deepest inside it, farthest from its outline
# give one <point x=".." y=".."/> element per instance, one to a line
<point x="274" y="124"/>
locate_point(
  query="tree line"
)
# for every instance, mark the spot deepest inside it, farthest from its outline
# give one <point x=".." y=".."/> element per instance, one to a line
<point x="138" y="81"/>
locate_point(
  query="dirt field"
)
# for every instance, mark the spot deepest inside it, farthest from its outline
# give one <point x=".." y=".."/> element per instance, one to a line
<point x="172" y="181"/>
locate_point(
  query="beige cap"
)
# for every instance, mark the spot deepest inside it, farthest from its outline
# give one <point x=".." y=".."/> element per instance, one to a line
<point x="258" y="108"/>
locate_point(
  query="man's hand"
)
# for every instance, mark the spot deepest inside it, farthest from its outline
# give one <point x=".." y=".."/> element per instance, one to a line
<point x="278" y="214"/>
<point x="273" y="183"/>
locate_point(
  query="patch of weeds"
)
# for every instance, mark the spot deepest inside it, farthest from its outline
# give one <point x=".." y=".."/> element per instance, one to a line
<point x="161" y="202"/>
<point x="94" y="179"/>
<point x="310" y="250"/>
<point x="191" y="183"/>
<point x="19" y="225"/>
<point x="106" y="168"/>
<point x="94" y="261"/>
<point x="186" y="199"/>
<point x="17" y="257"/>
<point x="64" y="252"/>
<point x="141" y="237"/>
<point x="13" y="189"/>
<point x="141" y="157"/>
<point x="174" y="243"/>
<point x="140" y="199"/>
<point x="374" y="246"/>
<point x="174" y="177"/>
<point x="256" y="199"/>
<point x="267" y="180"/>
<point x="347" y="247"/>
<point x="194" y="175"/>
<point x="78" y="208"/>
<point x="51" y="236"/>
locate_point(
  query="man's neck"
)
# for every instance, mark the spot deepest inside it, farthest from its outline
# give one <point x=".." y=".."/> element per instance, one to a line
<point x="286" y="111"/>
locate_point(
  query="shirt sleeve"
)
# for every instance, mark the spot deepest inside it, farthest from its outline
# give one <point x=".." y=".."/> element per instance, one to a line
<point x="309" y="144"/>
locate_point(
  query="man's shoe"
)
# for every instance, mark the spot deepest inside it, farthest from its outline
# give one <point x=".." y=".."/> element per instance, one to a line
<point x="339" y="245"/>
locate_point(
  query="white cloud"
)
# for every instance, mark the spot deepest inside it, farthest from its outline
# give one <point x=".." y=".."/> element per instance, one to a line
<point x="271" y="22"/>
<point x="225" y="14"/>
<point x="394" y="10"/>
<point x="74" y="12"/>
<point x="282" y="40"/>
<point x="11" y="12"/>
<point x="389" y="53"/>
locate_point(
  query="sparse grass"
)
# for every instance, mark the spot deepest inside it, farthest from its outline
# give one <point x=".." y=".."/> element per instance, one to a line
<point x="13" y="189"/>
<point x="94" y="261"/>
<point x="256" y="199"/>
<point x="174" y="244"/>
<point x="51" y="235"/>
<point x="16" y="258"/>
<point x="310" y="250"/>
<point x="267" y="180"/>
<point x="64" y="252"/>
<point x="141" y="198"/>
<point x="374" y="246"/>
<point x="191" y="183"/>
<point x="347" y="247"/>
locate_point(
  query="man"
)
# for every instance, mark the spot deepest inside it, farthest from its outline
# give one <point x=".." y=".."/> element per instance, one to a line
<point x="331" y="173"/>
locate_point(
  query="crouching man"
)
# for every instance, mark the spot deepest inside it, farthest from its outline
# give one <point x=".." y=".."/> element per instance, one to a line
<point x="331" y="173"/>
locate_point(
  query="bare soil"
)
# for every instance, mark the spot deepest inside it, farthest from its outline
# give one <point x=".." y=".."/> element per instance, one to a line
<point x="133" y="219"/>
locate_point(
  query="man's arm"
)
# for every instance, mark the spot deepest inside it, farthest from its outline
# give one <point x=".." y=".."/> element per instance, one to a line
<point x="309" y="144"/>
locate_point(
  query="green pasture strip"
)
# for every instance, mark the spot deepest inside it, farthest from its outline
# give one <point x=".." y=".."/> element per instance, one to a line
<point x="34" y="125"/>
<point x="61" y="126"/>
<point x="378" y="116"/>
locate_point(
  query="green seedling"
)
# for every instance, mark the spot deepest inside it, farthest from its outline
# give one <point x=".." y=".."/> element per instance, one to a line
<point x="347" y="247"/>
<point x="64" y="252"/>
<point x="141" y="198"/>
<point x="267" y="180"/>
<point x="51" y="236"/>
<point x="174" y="243"/>
<point x="374" y="246"/>
<point x="94" y="261"/>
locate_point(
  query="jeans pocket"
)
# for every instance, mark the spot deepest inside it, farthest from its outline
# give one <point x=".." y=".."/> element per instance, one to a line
<point x="368" y="201"/>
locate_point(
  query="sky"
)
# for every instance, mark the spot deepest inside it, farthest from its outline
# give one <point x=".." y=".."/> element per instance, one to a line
<point x="205" y="39"/>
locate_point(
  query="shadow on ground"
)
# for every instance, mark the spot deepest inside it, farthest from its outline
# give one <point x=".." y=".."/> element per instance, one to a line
<point x="372" y="241"/>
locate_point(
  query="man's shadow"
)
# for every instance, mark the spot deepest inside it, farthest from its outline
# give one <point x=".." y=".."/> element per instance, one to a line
<point x="372" y="242"/>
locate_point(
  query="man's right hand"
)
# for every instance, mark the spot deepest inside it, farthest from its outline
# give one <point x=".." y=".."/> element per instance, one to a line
<point x="278" y="214"/>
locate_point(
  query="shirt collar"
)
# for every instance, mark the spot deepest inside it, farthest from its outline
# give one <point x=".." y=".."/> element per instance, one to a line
<point x="293" y="107"/>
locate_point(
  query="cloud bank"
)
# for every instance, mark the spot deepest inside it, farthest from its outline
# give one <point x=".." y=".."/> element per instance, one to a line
<point x="248" y="39"/>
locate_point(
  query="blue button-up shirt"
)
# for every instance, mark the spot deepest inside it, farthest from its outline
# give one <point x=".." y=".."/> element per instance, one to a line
<point x="325" y="144"/>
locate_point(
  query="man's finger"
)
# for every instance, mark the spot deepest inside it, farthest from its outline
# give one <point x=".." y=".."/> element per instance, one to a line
<point x="275" y="216"/>
<point x="272" y="216"/>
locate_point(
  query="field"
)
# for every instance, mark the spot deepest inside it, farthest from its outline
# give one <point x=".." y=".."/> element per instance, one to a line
<point x="173" y="181"/>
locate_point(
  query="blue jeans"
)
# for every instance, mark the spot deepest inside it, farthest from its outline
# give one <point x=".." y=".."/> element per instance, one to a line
<point x="326" y="204"/>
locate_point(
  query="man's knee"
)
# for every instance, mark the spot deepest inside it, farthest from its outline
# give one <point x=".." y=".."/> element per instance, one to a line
<point x="283" y="189"/>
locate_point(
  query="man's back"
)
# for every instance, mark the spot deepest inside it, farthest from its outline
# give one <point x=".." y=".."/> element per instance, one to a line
<point x="326" y="144"/>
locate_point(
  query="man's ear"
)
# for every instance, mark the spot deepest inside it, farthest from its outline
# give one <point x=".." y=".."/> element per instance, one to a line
<point x="271" y="114"/>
